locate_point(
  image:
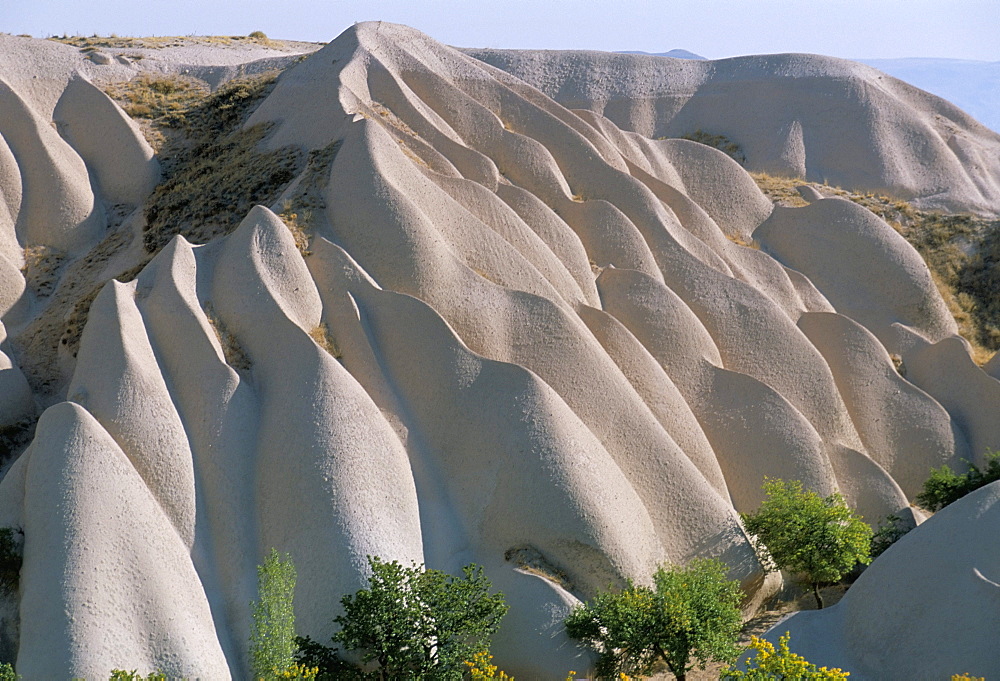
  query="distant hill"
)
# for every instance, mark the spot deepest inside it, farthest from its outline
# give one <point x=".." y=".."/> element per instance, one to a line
<point x="676" y="54"/>
<point x="973" y="86"/>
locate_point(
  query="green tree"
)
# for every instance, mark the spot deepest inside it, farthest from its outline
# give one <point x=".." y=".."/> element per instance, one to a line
<point x="797" y="530"/>
<point x="768" y="664"/>
<point x="417" y="623"/>
<point x="690" y="617"/>
<point x="272" y="633"/>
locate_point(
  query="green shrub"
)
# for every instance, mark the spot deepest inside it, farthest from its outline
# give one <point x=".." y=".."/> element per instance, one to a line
<point x="692" y="616"/>
<point x="272" y="634"/>
<point x="7" y="672"/>
<point x="819" y="538"/>
<point x="420" y="624"/>
<point x="768" y="664"/>
<point x="945" y="486"/>
<point x="325" y="660"/>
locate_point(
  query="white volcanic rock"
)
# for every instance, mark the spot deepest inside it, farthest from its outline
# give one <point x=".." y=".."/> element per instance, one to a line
<point x="102" y="550"/>
<point x="108" y="141"/>
<point x="801" y="115"/>
<point x="903" y="428"/>
<point x="863" y="267"/>
<point x="521" y="336"/>
<point x="57" y="207"/>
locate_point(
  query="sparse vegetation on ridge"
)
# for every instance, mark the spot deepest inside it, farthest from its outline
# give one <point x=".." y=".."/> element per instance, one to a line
<point x="720" y="142"/>
<point x="214" y="172"/>
<point x="302" y="210"/>
<point x="162" y="42"/>
<point x="961" y="251"/>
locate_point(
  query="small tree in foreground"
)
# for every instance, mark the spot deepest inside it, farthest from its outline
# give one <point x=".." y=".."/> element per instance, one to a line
<point x="768" y="664"/>
<point x="420" y="624"/>
<point x="690" y="617"/>
<point x="272" y="632"/>
<point x="799" y="531"/>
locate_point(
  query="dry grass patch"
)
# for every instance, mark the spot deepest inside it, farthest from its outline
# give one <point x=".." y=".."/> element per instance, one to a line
<point x="781" y="190"/>
<point x="740" y="241"/>
<point x="297" y="226"/>
<point x="321" y="334"/>
<point x="303" y="210"/>
<point x="214" y="172"/>
<point x="164" y="100"/>
<point x="529" y="559"/>
<point x="41" y="269"/>
<point x="235" y="356"/>
<point x="720" y="142"/>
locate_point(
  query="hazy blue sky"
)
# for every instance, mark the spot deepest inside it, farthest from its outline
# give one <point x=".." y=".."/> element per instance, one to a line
<point x="964" y="29"/>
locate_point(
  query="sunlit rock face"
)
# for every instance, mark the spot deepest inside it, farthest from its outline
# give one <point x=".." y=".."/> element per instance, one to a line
<point x="518" y="330"/>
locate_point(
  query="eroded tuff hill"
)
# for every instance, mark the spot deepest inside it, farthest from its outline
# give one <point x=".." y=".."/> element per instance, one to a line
<point x="466" y="324"/>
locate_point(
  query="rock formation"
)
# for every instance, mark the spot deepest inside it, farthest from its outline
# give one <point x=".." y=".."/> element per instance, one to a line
<point x="472" y="325"/>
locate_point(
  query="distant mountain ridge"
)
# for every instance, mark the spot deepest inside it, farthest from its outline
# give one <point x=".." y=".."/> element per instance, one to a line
<point x="675" y="54"/>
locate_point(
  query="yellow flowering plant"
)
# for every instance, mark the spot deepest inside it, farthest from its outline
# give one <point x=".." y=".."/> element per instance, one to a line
<point x="782" y="663"/>
<point x="481" y="669"/>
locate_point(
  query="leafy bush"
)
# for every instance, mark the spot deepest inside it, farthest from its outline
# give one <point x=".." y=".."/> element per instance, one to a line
<point x="945" y="486"/>
<point x="7" y="672"/>
<point x="690" y="617"/>
<point x="414" y="623"/>
<point x="817" y="537"/>
<point x="272" y="633"/>
<point x="769" y="664"/>
<point x="325" y="660"/>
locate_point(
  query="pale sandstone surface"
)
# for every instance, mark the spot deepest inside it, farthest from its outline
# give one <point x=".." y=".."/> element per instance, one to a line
<point x="521" y="336"/>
